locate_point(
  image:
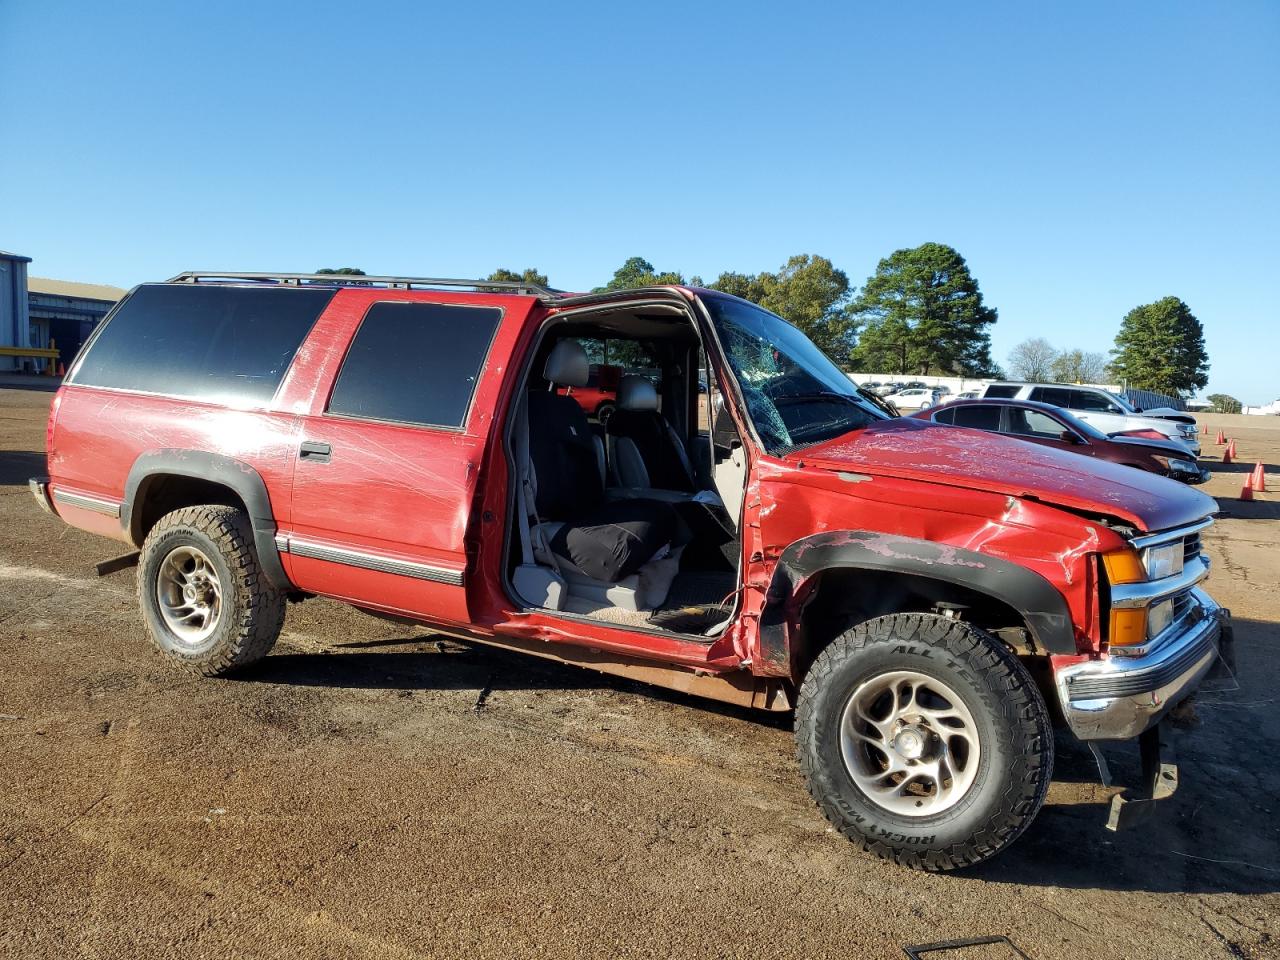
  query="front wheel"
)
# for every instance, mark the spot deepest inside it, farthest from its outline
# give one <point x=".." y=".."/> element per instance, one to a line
<point x="205" y="600"/>
<point x="924" y="740"/>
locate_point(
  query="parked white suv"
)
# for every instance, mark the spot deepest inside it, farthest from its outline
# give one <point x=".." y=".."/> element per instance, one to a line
<point x="914" y="398"/>
<point x="1106" y="411"/>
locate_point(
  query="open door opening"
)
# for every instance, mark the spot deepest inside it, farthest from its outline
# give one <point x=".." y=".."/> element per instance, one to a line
<point x="627" y="503"/>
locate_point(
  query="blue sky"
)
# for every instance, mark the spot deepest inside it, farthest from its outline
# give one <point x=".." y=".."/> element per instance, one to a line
<point x="1084" y="158"/>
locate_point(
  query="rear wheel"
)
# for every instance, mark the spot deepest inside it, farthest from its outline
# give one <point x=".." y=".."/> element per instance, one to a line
<point x="206" y="603"/>
<point x="604" y="412"/>
<point x="924" y="740"/>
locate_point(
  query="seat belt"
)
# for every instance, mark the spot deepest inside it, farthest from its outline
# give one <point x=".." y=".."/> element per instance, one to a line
<point x="533" y="581"/>
<point x="681" y="453"/>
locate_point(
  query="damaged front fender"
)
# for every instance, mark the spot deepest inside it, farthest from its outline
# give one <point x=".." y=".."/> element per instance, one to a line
<point x="1041" y="605"/>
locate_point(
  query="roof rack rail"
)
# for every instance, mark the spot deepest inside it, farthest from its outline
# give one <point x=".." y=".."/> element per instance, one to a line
<point x="356" y="279"/>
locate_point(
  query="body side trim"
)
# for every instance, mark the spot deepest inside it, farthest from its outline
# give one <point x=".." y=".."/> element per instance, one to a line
<point x="368" y="561"/>
<point x="103" y="505"/>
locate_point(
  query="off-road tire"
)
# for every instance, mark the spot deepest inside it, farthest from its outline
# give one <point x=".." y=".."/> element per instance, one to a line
<point x="1013" y="727"/>
<point x="252" y="609"/>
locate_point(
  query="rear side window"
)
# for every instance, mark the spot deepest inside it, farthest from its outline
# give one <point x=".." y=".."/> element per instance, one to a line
<point x="415" y="363"/>
<point x="221" y="343"/>
<point x="945" y="416"/>
<point x="999" y="390"/>
<point x="979" y="418"/>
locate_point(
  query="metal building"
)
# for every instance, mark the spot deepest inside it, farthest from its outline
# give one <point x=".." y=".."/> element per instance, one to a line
<point x="13" y="306"/>
<point x="66" y="313"/>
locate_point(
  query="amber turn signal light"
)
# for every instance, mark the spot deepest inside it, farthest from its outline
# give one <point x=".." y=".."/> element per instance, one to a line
<point x="1124" y="566"/>
<point x="1128" y="626"/>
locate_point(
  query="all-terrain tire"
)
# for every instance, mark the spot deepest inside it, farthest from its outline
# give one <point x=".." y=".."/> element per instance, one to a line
<point x="1013" y="730"/>
<point x="251" y="609"/>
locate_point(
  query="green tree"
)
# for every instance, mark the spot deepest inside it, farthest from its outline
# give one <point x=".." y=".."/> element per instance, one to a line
<point x="529" y="275"/>
<point x="1160" y="347"/>
<point x="1079" y="366"/>
<point x="1033" y="359"/>
<point x="1224" y="403"/>
<point x="809" y="292"/>
<point x="342" y="271"/>
<point x="922" y="312"/>
<point x="639" y="272"/>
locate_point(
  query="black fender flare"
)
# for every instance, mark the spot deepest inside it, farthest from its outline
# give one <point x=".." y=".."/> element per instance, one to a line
<point x="1040" y="604"/>
<point x="235" y="475"/>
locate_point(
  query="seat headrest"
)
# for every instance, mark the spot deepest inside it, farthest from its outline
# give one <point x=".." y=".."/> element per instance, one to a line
<point x="637" y="393"/>
<point x="567" y="365"/>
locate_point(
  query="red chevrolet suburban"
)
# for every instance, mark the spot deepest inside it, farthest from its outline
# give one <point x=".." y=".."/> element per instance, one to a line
<point x="929" y="600"/>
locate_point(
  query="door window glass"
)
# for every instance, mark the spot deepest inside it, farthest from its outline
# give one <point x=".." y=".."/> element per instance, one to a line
<point x="415" y="363"/>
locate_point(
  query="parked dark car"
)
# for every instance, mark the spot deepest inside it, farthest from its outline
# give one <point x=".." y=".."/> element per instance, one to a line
<point x="1054" y="427"/>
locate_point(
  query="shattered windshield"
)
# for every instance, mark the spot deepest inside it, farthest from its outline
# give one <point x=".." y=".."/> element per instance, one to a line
<point x="795" y="395"/>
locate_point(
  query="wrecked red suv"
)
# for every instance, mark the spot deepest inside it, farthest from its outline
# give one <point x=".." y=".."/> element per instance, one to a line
<point x="928" y="600"/>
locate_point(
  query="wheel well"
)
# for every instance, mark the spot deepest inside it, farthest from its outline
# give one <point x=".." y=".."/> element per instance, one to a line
<point x="159" y="494"/>
<point x="841" y="597"/>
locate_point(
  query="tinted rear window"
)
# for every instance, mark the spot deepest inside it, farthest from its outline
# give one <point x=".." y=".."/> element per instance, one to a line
<point x="1002" y="390"/>
<point x="415" y="363"/>
<point x="979" y="418"/>
<point x="221" y="343"/>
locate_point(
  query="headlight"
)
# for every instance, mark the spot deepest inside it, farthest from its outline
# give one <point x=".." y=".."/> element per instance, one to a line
<point x="1163" y="561"/>
<point x="1159" y="616"/>
<point x="1183" y="466"/>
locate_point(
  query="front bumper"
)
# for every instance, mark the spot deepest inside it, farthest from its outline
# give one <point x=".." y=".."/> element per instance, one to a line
<point x="1119" y="697"/>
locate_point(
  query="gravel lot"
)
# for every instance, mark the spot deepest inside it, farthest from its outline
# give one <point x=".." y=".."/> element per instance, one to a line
<point x="347" y="798"/>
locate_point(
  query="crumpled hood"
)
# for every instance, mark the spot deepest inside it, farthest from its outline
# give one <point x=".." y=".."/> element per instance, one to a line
<point x="1167" y="413"/>
<point x="917" y="450"/>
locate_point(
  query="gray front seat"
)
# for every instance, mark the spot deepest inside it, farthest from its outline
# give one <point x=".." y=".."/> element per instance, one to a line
<point x="644" y="450"/>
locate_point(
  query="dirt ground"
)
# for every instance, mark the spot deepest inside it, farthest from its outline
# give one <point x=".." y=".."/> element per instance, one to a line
<point x="347" y="798"/>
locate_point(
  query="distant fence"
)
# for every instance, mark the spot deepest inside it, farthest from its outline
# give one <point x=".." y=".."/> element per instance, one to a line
<point x="1147" y="399"/>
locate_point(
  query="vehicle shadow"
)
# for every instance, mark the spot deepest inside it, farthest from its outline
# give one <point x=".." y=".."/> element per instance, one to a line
<point x="19" y="466"/>
<point x="440" y="662"/>
<point x="1219" y="833"/>
<point x="21" y="381"/>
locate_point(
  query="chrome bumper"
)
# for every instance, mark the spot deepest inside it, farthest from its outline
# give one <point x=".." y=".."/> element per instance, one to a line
<point x="1118" y="698"/>
<point x="40" y="490"/>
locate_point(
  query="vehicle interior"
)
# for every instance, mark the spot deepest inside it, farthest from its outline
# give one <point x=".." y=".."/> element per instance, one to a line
<point x="633" y="520"/>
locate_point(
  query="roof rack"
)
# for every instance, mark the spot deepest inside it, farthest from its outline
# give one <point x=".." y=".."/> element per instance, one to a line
<point x="355" y="279"/>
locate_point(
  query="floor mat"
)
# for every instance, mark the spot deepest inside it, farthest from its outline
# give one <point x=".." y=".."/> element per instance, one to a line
<point x="695" y="603"/>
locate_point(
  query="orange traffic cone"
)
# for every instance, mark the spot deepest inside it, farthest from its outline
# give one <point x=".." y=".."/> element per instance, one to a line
<point x="1205" y="431"/>
<point x="1231" y="448"/>
<point x="62" y="370"/>
<point x="1221" y="439"/>
<point x="1259" y="479"/>
<point x="1246" y="492"/>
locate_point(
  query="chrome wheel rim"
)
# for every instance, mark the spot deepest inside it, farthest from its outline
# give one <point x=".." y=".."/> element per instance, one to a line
<point x="189" y="594"/>
<point x="909" y="743"/>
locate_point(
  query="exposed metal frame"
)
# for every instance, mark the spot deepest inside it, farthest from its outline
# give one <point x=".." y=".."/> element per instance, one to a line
<point x="360" y="280"/>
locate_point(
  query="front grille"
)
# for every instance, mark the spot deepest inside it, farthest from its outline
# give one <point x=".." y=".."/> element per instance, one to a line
<point x="1181" y="604"/>
<point x="1191" y="547"/>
